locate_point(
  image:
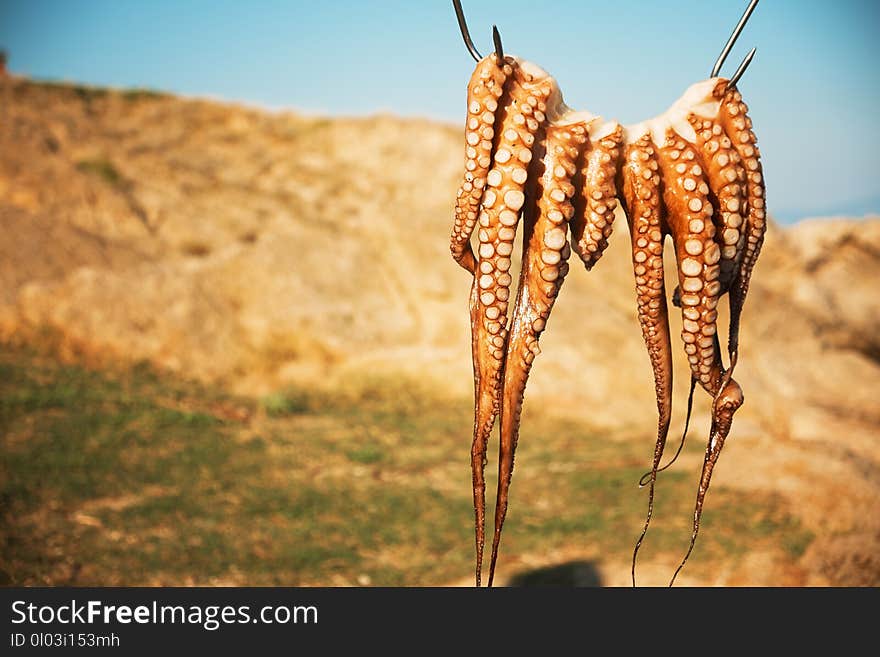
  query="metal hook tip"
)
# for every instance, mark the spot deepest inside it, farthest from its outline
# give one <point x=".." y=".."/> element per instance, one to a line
<point x="740" y="71"/>
<point x="733" y="37"/>
<point x="499" y="50"/>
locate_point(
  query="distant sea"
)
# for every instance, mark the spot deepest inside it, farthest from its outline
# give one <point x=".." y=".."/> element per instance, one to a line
<point x="854" y="210"/>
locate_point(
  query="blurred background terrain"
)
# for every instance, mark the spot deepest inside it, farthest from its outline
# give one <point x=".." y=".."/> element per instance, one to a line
<point x="234" y="349"/>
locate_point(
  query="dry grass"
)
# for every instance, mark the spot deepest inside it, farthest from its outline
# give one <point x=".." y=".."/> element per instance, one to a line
<point x="130" y="477"/>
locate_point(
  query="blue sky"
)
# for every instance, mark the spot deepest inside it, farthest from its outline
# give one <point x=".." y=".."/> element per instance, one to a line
<point x="813" y="88"/>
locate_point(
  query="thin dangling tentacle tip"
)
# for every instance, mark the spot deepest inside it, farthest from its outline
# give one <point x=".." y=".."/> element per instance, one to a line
<point x="690" y="406"/>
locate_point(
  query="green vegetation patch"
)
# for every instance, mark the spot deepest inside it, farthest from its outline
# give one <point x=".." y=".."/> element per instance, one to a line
<point x="103" y="169"/>
<point x="136" y="478"/>
<point x="141" y="93"/>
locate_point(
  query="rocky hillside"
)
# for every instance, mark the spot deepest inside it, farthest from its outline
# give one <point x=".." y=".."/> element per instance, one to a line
<point x="259" y="249"/>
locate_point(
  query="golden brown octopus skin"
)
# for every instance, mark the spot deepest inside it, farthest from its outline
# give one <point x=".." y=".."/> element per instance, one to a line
<point x="545" y="255"/>
<point x="645" y="214"/>
<point x="484" y="94"/>
<point x="689" y="214"/>
<point x="596" y="197"/>
<point x="692" y="173"/>
<point x="690" y="217"/>
<point x="521" y="121"/>
<point x="726" y="177"/>
<point x="736" y="123"/>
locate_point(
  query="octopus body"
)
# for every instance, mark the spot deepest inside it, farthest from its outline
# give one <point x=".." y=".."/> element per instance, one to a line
<point x="692" y="174"/>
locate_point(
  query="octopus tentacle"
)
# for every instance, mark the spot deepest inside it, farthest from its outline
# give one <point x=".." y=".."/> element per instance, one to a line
<point x="645" y="478"/>
<point x="727" y="182"/>
<point x="520" y="123"/>
<point x="727" y="401"/>
<point x="690" y="212"/>
<point x="686" y="196"/>
<point x="484" y="95"/>
<point x="727" y="398"/>
<point x="745" y="170"/>
<point x="642" y="197"/>
<point x="545" y="255"/>
<point x="594" y="204"/>
<point x="737" y="124"/>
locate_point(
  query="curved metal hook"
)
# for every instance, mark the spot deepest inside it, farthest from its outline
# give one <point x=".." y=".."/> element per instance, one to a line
<point x="733" y="37"/>
<point x="468" y="42"/>
<point x="462" y="25"/>
<point x="742" y="69"/>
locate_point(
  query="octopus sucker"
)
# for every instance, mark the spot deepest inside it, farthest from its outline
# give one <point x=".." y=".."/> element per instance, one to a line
<point x="692" y="174"/>
<point x="545" y="255"/>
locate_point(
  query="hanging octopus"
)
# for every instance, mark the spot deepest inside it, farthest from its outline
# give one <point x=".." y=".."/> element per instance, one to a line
<point x="692" y="174"/>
